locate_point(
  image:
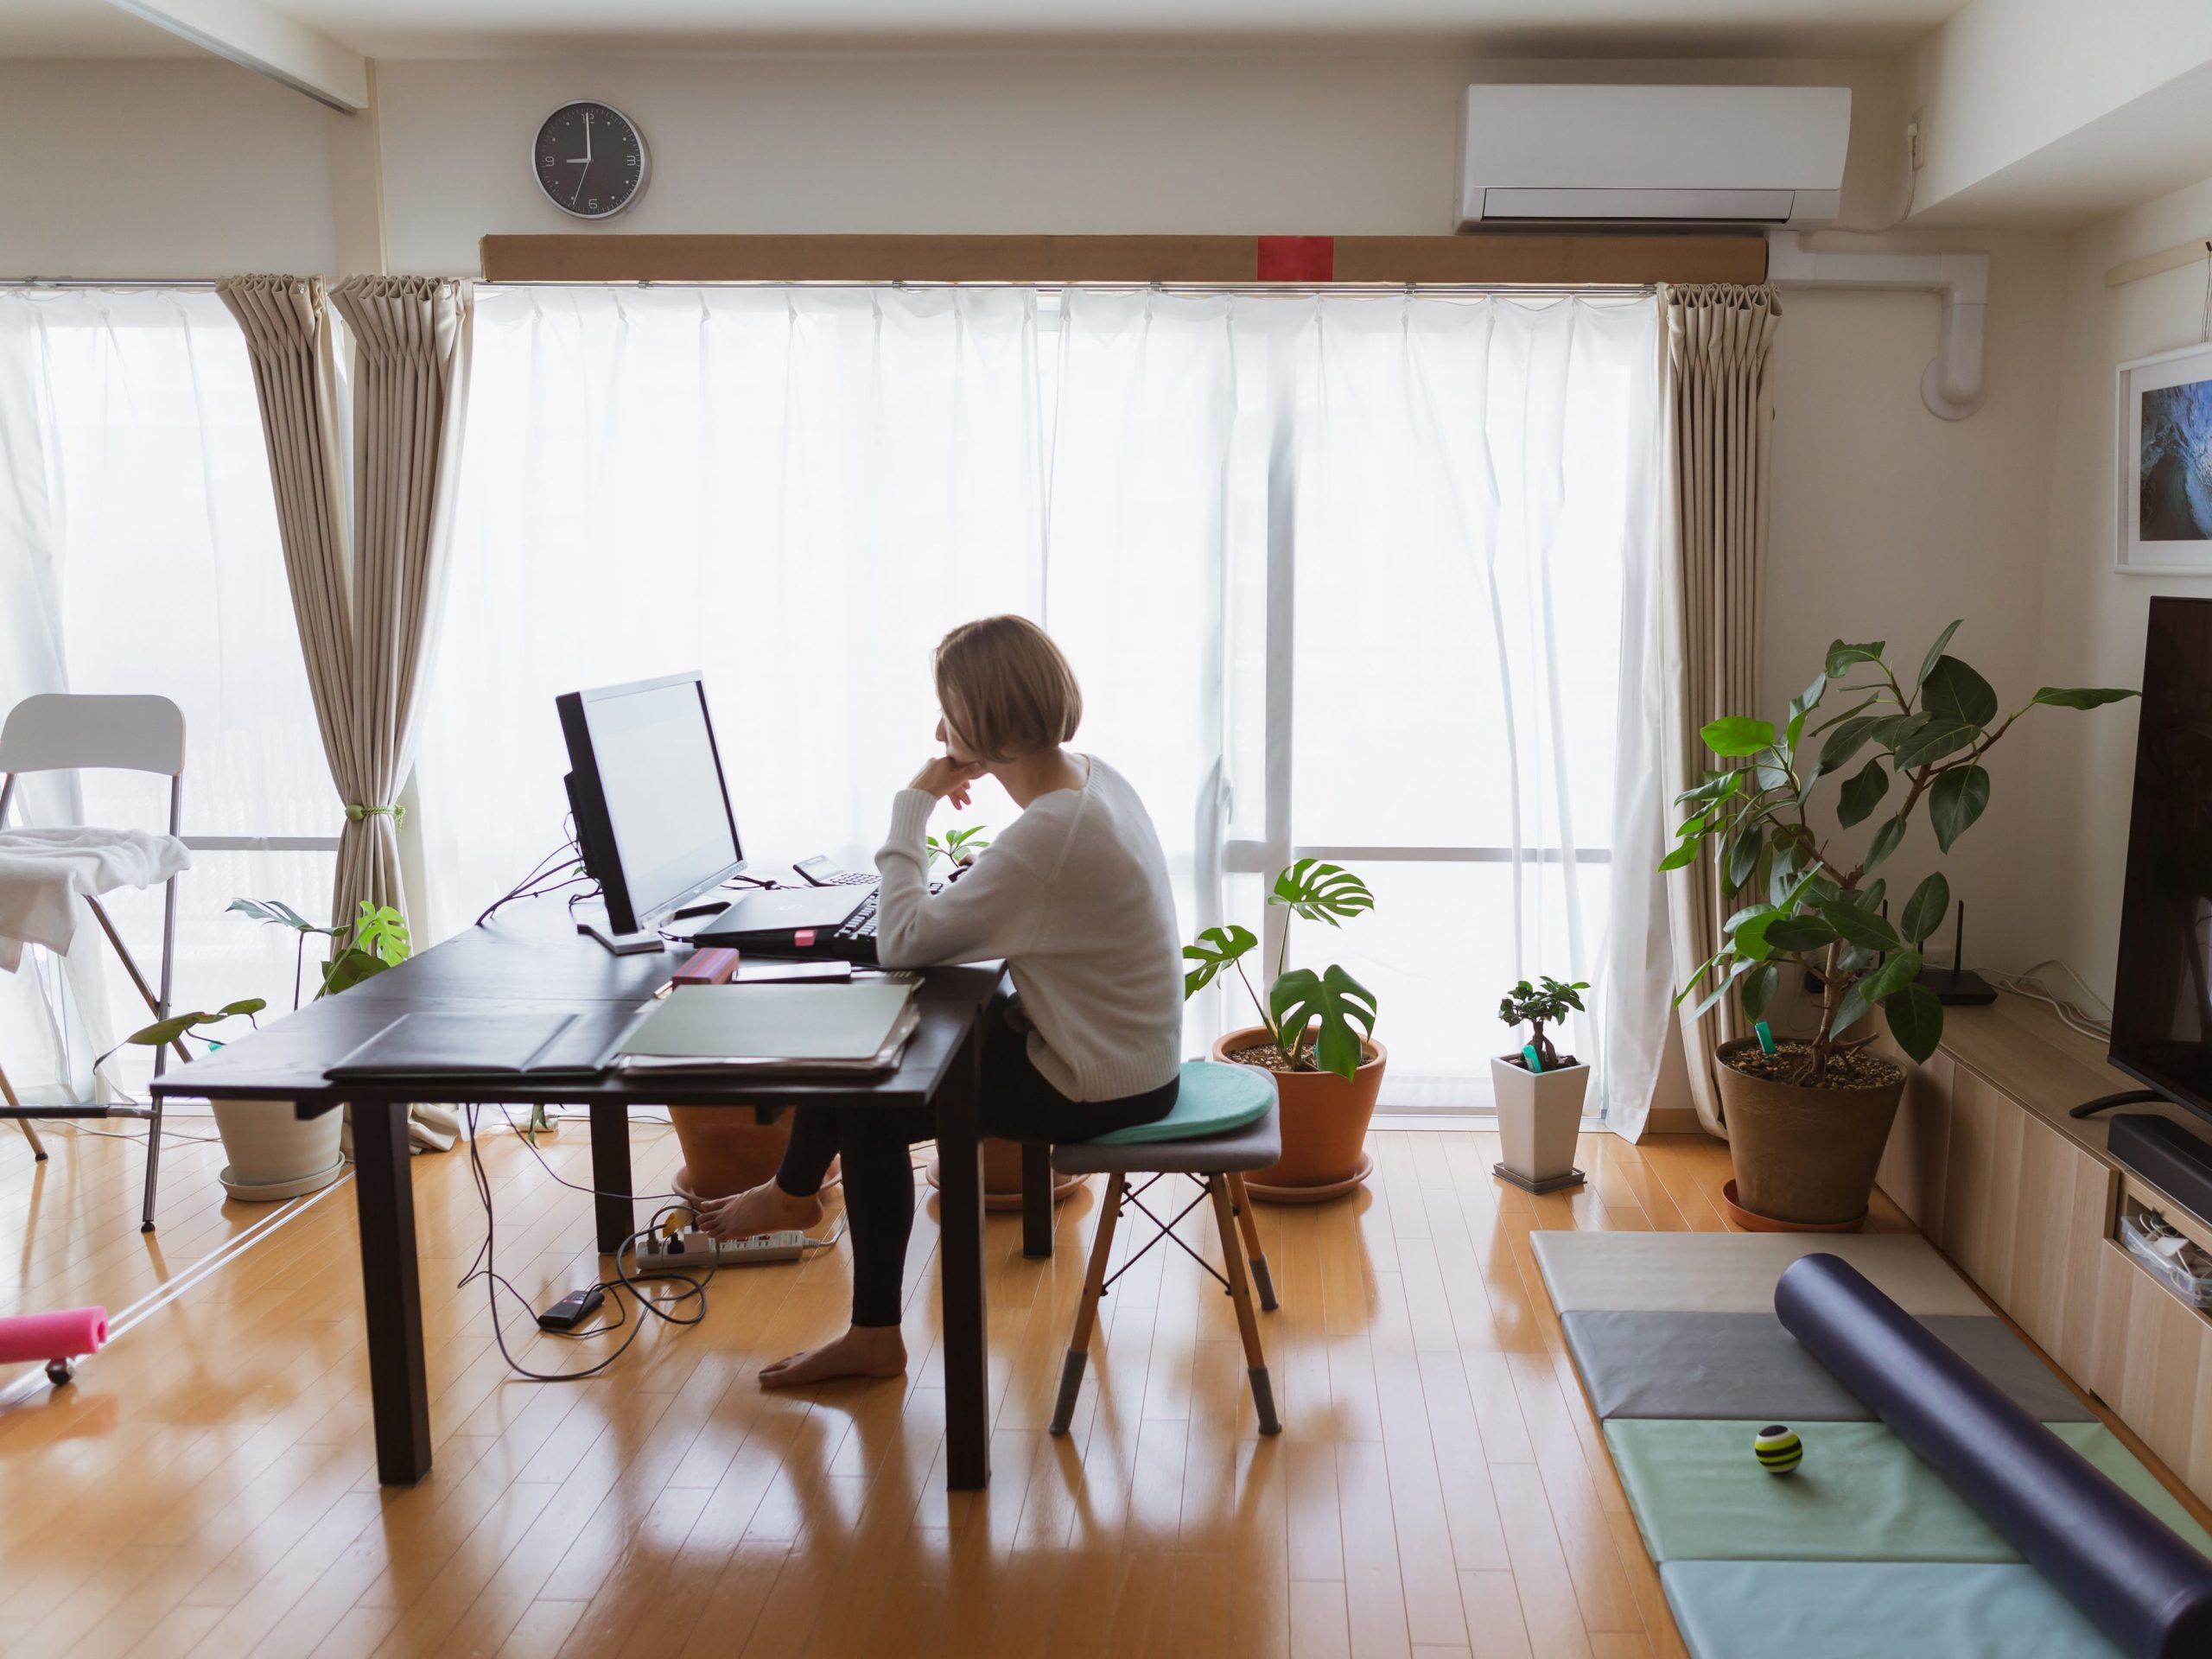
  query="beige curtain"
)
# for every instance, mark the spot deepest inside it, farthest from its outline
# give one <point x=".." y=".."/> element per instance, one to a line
<point x="1717" y="399"/>
<point x="364" y="585"/>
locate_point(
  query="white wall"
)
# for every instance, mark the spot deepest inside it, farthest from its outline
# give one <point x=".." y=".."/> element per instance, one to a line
<point x="2094" y="617"/>
<point x="1888" y="522"/>
<point x="159" y="167"/>
<point x="1196" y="143"/>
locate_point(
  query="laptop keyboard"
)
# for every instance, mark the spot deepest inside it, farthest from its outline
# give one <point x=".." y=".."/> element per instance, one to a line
<point x="861" y="924"/>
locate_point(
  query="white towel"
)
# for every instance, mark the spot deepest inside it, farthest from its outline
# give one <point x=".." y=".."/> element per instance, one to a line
<point x="42" y="871"/>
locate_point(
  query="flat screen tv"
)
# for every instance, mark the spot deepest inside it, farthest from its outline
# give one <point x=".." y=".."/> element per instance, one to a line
<point x="2162" y="994"/>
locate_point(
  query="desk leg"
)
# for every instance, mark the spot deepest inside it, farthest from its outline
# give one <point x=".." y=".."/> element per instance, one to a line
<point x="399" y="1391"/>
<point x="960" y="1266"/>
<point x="1037" y="1202"/>
<point x="610" y="1175"/>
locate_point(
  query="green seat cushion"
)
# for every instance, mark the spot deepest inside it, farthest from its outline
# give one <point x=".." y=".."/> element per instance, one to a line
<point x="1861" y="1494"/>
<point x="1898" y="1610"/>
<point x="1214" y="1098"/>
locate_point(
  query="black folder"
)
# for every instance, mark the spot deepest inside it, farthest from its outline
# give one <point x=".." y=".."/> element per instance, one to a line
<point x="433" y="1046"/>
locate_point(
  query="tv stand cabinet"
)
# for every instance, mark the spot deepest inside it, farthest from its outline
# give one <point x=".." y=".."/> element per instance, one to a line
<point x="1988" y="1162"/>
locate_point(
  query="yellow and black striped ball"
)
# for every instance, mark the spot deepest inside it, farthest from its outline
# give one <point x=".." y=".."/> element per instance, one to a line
<point x="1778" y="1449"/>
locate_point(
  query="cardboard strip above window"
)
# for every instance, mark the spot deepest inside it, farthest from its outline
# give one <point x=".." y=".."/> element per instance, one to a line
<point x="1536" y="259"/>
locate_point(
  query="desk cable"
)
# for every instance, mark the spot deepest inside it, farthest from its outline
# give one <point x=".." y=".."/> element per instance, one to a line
<point x="485" y="1266"/>
<point x="628" y="1276"/>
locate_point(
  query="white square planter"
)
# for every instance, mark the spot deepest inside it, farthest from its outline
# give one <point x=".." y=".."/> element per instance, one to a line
<point x="1539" y="1115"/>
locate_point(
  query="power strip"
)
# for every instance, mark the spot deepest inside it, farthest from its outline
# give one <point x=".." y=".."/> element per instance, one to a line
<point x="692" y="1249"/>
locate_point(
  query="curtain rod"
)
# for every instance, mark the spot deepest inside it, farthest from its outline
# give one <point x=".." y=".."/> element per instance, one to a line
<point x="107" y="282"/>
<point x="1277" y="290"/>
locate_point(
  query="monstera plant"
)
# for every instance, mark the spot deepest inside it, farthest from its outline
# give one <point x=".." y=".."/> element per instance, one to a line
<point x="1310" y="1016"/>
<point x="1315" y="1033"/>
<point x="1808" y="1113"/>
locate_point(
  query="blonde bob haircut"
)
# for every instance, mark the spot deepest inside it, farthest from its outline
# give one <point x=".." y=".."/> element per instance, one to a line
<point x="1005" y="689"/>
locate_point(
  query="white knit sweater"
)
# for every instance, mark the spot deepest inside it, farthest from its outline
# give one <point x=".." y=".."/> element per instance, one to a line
<point x="1074" y="894"/>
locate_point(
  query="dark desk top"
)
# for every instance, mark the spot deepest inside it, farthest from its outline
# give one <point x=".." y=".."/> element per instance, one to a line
<point x="529" y="959"/>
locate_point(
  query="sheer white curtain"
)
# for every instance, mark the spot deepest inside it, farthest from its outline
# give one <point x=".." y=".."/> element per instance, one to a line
<point x="138" y="552"/>
<point x="797" y="490"/>
<point x="1351" y="577"/>
<point x="1470" y="508"/>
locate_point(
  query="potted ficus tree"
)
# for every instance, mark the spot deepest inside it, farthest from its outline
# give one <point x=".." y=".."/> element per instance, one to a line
<point x="1327" y="1073"/>
<point x="1539" y="1091"/>
<point x="1807" y="1115"/>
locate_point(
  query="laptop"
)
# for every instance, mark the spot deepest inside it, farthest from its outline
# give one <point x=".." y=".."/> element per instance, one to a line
<point x="800" y="922"/>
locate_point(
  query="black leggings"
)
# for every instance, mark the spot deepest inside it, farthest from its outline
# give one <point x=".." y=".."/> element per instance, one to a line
<point x="1018" y="1104"/>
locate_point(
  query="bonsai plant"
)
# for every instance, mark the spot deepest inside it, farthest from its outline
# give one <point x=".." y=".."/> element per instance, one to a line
<point x="1315" y="1033"/>
<point x="1539" y="1107"/>
<point x="1807" y="1116"/>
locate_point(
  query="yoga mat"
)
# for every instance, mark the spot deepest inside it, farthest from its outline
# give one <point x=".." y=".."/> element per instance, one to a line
<point x="1861" y="1494"/>
<point x="2134" y="1579"/>
<point x="1737" y="1365"/>
<point x="1895" y="1610"/>
<point x="1733" y="1273"/>
<point x="42" y="1336"/>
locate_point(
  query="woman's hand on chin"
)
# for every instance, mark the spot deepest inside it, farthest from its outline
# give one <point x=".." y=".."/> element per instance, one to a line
<point x="947" y="779"/>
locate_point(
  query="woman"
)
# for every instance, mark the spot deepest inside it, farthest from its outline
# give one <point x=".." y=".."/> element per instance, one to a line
<point x="1073" y="894"/>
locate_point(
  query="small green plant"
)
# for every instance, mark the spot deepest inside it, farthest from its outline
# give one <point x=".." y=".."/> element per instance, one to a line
<point x="1310" y="1015"/>
<point x="377" y="939"/>
<point x="959" y="846"/>
<point x="1537" y="1006"/>
<point x="1807" y="905"/>
<point x="174" y="1029"/>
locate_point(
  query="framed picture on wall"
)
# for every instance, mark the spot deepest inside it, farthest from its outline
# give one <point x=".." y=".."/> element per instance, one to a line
<point x="2165" y="463"/>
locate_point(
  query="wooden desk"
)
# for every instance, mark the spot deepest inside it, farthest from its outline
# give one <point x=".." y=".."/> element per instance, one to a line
<point x="530" y="959"/>
<point x="2027" y="1201"/>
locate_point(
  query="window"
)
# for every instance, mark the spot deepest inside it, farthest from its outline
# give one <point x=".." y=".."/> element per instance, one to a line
<point x="142" y="536"/>
<point x="1341" y="576"/>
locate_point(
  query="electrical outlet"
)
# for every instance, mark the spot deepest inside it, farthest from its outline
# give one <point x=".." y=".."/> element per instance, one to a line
<point x="1916" y="140"/>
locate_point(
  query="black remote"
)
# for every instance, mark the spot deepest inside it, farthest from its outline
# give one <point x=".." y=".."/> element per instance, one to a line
<point x="572" y="1310"/>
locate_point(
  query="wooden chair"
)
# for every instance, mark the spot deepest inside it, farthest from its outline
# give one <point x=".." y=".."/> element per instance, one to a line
<point x="1216" y="1160"/>
<point x="62" y="733"/>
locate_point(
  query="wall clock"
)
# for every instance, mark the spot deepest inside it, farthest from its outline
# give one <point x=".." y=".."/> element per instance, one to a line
<point x="589" y="159"/>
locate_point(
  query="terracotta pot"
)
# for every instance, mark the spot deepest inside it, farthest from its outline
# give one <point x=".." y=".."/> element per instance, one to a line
<point x="1003" y="1176"/>
<point x="1803" y="1155"/>
<point x="1324" y="1125"/>
<point x="725" y="1151"/>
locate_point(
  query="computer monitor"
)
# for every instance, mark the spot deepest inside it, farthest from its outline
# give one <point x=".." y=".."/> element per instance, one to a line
<point x="653" y="820"/>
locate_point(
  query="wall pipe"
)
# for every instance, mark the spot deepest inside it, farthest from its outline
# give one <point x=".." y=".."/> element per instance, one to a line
<point x="1952" y="385"/>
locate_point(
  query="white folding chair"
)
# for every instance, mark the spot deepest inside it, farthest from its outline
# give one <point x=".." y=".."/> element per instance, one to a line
<point x="61" y="733"/>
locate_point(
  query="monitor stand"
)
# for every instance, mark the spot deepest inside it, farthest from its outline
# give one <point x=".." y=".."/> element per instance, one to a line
<point x="591" y="921"/>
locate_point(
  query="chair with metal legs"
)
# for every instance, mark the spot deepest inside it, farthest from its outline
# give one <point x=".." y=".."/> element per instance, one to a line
<point x="62" y="733"/>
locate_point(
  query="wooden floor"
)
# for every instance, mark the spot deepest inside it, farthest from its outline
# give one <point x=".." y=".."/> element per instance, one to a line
<point x="206" y="1486"/>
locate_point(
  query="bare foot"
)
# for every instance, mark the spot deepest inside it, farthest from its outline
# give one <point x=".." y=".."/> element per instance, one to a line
<point x="875" y="1351"/>
<point x="763" y="1209"/>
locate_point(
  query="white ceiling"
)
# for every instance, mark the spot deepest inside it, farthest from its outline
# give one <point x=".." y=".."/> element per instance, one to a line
<point x="433" y="28"/>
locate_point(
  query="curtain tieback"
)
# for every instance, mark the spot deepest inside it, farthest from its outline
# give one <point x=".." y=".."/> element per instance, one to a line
<point x="355" y="814"/>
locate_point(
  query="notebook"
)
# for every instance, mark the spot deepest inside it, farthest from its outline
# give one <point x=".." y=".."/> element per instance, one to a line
<point x="858" y="1026"/>
<point x="431" y="1045"/>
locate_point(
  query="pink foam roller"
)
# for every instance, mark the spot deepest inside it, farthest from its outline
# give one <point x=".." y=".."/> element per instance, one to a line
<point x="64" y="1335"/>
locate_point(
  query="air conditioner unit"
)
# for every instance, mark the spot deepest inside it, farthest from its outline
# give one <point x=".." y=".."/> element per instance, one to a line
<point x="1653" y="154"/>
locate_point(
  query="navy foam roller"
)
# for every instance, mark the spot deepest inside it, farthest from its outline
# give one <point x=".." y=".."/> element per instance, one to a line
<point x="2145" y="1588"/>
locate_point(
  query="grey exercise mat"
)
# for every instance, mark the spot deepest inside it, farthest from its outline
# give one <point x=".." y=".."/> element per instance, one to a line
<point x="1745" y="1365"/>
<point x="1734" y="1273"/>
